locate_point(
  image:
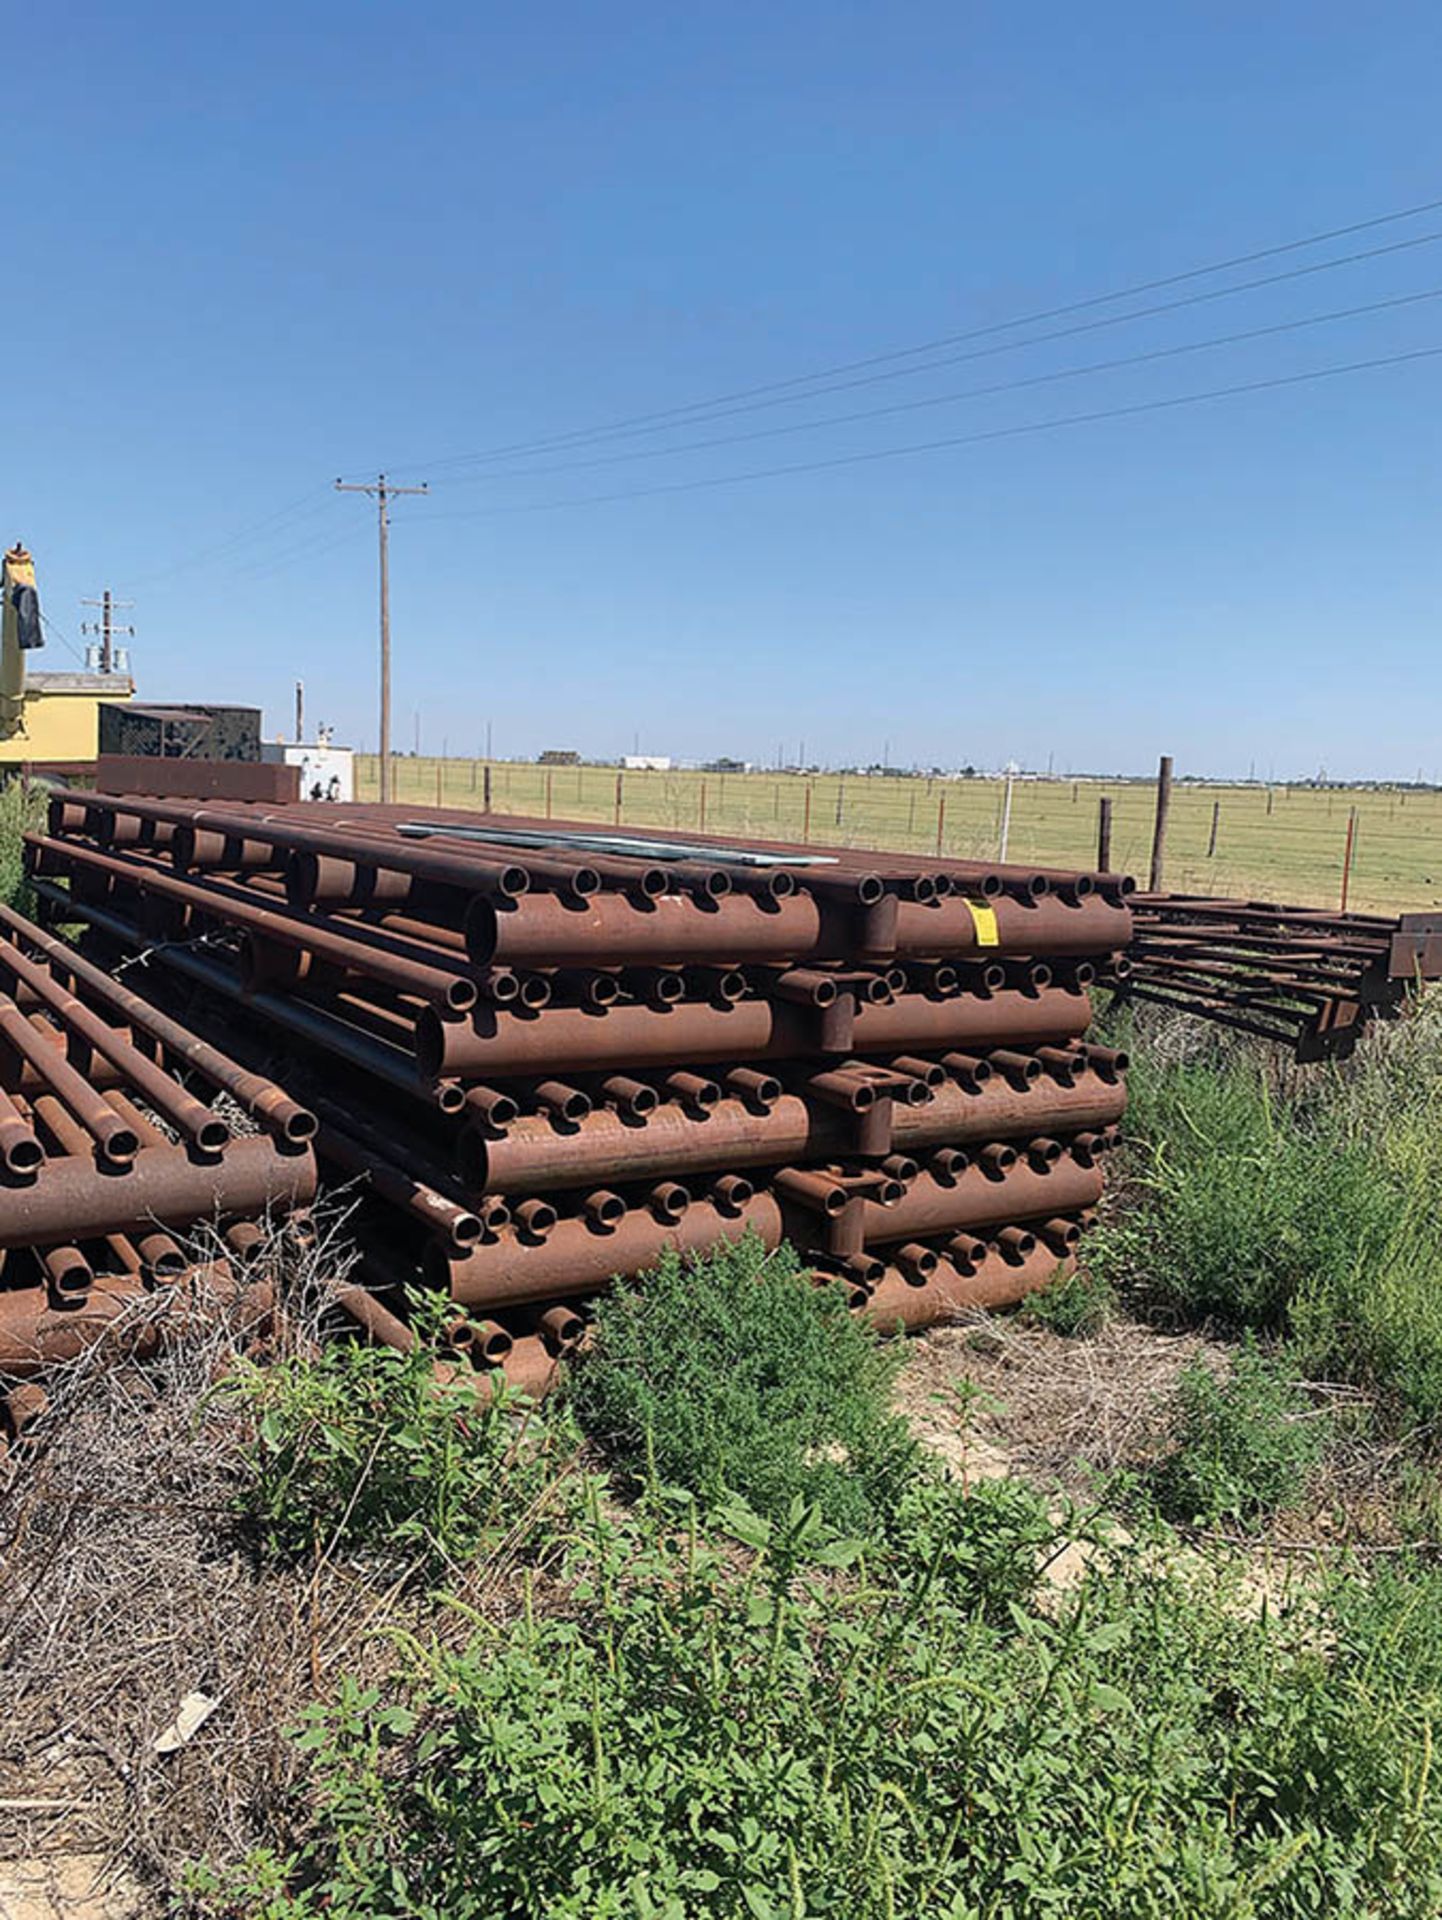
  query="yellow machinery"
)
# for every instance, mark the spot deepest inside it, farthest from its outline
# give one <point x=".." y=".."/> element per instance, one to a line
<point x="19" y="634"/>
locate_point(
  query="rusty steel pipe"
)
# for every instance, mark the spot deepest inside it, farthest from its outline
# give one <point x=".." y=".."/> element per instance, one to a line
<point x="422" y="1203"/>
<point x="496" y="1042"/>
<point x="898" y="1305"/>
<point x="575" y="1259"/>
<point x="534" y="1157"/>
<point x="271" y="1107"/>
<point x="930" y="1206"/>
<point x="187" y="1114"/>
<point x="75" y="1199"/>
<point x="114" y="1138"/>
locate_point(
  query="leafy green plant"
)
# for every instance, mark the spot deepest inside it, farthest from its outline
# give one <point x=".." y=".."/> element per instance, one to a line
<point x="1305" y="1208"/>
<point x="1077" y="1306"/>
<point x="733" y="1374"/>
<point x="22" y="811"/>
<point x="1242" y="1446"/>
<point x="684" y="1732"/>
<point x="364" y="1448"/>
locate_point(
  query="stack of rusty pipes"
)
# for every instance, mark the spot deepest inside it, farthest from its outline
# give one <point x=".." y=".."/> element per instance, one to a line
<point x="113" y="1141"/>
<point x="1307" y="978"/>
<point x="545" y="1063"/>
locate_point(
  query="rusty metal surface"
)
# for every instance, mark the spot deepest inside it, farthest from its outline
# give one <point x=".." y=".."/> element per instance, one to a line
<point x="606" y="1047"/>
<point x="1304" y="977"/>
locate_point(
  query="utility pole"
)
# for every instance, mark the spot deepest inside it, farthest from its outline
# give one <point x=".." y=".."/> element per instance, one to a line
<point x="383" y="493"/>
<point x="299" y="711"/>
<point x="106" y="627"/>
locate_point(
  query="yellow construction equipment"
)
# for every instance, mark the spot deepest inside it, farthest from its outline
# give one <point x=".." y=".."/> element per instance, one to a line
<point x="19" y="634"/>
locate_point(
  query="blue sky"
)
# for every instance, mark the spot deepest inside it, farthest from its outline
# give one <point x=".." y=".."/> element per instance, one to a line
<point x="254" y="249"/>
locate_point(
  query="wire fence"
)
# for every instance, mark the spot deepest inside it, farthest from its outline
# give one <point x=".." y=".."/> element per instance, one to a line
<point x="1277" y="843"/>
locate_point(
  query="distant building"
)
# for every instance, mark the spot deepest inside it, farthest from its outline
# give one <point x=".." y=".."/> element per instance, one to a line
<point x="559" y="757"/>
<point x="646" y="762"/>
<point x="724" y="765"/>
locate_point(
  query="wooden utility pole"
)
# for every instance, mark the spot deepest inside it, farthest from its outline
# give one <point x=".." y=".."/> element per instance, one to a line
<point x="1159" y="831"/>
<point x="383" y="493"/>
<point x="106" y="626"/>
<point x="1104" y="835"/>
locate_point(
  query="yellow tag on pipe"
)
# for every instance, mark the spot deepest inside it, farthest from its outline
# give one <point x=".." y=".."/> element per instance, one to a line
<point x="983" y="918"/>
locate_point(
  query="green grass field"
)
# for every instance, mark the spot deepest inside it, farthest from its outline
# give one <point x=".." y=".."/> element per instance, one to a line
<point x="1280" y="844"/>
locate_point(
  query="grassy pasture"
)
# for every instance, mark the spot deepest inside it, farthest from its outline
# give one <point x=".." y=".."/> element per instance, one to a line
<point x="1285" y="843"/>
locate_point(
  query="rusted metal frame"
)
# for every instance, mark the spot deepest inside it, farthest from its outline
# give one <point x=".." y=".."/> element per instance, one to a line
<point x="445" y="989"/>
<point x="269" y="1104"/>
<point x="192" y="1117"/>
<point x="389" y="1065"/>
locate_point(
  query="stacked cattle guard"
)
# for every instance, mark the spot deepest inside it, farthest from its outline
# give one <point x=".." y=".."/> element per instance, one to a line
<point x="1306" y="977"/>
<point x="546" y="1053"/>
<point x="118" y="1133"/>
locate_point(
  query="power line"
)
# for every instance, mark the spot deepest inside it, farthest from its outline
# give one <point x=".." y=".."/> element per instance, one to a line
<point x="680" y="413"/>
<point x="1059" y="333"/>
<point x="957" y="440"/>
<point x="292" y="511"/>
<point x="964" y="393"/>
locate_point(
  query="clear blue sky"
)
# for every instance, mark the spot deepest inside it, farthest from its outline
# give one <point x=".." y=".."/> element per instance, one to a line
<point x="251" y="249"/>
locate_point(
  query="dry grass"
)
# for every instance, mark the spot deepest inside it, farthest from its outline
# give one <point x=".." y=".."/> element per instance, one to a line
<point x="1283" y="843"/>
<point x="130" y="1586"/>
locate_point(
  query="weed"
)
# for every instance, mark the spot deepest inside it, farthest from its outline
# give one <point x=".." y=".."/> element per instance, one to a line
<point x="1243" y="1446"/>
<point x="22" y="811"/>
<point x="735" y="1374"/>
<point x="692" y="1737"/>
<point x="1077" y="1306"/>
<point x="361" y="1447"/>
<point x="1307" y="1211"/>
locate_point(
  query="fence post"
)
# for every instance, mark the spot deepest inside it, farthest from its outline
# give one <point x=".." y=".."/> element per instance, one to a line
<point x="618" y="798"/>
<point x="701" y="824"/>
<point x="1212" y="841"/>
<point x="840" y="796"/>
<point x="1269" y="800"/>
<point x="1005" y="816"/>
<point x="1347" y="854"/>
<point x="1104" y="835"/>
<point x="806" y="817"/>
<point x="911" y="813"/>
<point x="940" y="822"/>
<point x="486" y="790"/>
<point x="1159" y="829"/>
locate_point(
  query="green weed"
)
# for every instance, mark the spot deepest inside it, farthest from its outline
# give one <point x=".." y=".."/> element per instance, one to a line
<point x="1305" y="1208"/>
<point x="734" y="1374"/>
<point x="363" y="1448"/>
<point x="689" y="1736"/>
<point x="1242" y="1446"/>
<point x="1077" y="1306"/>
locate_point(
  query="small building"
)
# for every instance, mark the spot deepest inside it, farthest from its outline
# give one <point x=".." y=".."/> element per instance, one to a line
<point x="723" y="765"/>
<point x="326" y="772"/>
<point x="559" y="757"/>
<point x="60" y="729"/>
<point x="646" y="762"/>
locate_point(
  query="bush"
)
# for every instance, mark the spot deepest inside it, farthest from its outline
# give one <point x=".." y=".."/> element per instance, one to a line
<point x="734" y="1374"/>
<point x="1308" y="1212"/>
<point x="363" y="1448"/>
<point x="1077" y="1306"/>
<point x="689" y="1737"/>
<point x="22" y="811"/>
<point x="1243" y="1446"/>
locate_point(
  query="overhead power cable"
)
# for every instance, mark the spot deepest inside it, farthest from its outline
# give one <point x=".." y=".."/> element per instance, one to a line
<point x="654" y="419"/>
<point x="962" y="393"/>
<point x="1052" y="424"/>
